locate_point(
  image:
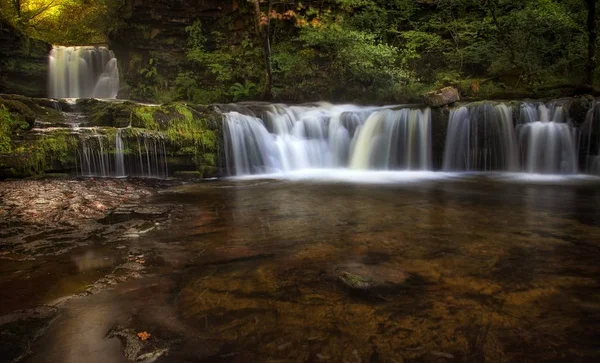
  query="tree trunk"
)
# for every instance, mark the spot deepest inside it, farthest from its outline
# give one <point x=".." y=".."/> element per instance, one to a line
<point x="590" y="65"/>
<point x="17" y="6"/>
<point x="267" y="92"/>
<point x="263" y="32"/>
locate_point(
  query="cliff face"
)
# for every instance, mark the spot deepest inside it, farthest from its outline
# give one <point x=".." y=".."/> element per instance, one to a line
<point x="152" y="34"/>
<point x="23" y="63"/>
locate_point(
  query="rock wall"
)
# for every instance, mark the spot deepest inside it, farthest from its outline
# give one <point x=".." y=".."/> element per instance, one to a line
<point x="23" y="63"/>
<point x="155" y="29"/>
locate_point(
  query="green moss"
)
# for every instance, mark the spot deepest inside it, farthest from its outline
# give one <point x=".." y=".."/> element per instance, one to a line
<point x="144" y="118"/>
<point x="47" y="152"/>
<point x="5" y="131"/>
<point x="11" y="125"/>
<point x="19" y="108"/>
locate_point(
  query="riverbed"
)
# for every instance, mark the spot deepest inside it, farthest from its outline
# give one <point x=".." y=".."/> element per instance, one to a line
<point x="310" y="267"/>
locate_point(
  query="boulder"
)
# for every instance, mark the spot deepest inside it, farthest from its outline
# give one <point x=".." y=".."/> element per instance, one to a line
<point x="442" y="97"/>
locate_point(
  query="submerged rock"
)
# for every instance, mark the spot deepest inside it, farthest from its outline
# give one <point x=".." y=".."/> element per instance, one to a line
<point x="360" y="277"/>
<point x="19" y="329"/>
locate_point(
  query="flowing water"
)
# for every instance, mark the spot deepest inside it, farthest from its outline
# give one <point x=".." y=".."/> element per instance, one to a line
<point x="140" y="155"/>
<point x="288" y="138"/>
<point x="83" y="72"/>
<point x="478" y="267"/>
<point x="481" y="137"/>
<point x="509" y="137"/>
<point x="589" y="143"/>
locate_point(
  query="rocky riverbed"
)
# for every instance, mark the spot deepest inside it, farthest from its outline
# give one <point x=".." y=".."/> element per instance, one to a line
<point x="62" y="238"/>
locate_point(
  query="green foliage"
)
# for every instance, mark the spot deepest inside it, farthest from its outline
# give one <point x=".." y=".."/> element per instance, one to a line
<point x="64" y="21"/>
<point x="150" y="72"/>
<point x="243" y="91"/>
<point x="5" y="131"/>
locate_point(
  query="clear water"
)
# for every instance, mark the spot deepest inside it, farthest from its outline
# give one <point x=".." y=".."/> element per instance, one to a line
<point x="499" y="267"/>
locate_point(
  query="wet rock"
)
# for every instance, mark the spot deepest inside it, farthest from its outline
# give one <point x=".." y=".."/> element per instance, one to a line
<point x="354" y="281"/>
<point x="19" y="329"/>
<point x="136" y="349"/>
<point x="442" y="97"/>
<point x="361" y="277"/>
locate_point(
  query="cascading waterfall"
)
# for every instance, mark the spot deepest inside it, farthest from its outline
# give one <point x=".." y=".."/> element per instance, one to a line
<point x="98" y="157"/>
<point x="83" y="72"/>
<point x="303" y="137"/>
<point x="481" y="137"/>
<point x="93" y="158"/>
<point x="547" y="141"/>
<point x="589" y="140"/>
<point x="119" y="155"/>
<point x="548" y="147"/>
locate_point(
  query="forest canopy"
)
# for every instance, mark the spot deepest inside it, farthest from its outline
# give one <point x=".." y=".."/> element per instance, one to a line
<point x="340" y="49"/>
<point x="65" y="22"/>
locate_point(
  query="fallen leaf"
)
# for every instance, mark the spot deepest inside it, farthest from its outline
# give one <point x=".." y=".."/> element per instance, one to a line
<point x="144" y="335"/>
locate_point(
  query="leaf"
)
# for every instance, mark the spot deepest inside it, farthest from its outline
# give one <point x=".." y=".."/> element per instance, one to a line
<point x="144" y="335"/>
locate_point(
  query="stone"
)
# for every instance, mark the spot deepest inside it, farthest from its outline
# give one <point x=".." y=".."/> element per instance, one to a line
<point x="442" y="97"/>
<point x="23" y="63"/>
<point x="363" y="277"/>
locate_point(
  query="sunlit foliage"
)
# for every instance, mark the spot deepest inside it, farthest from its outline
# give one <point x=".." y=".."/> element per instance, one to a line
<point x="62" y="21"/>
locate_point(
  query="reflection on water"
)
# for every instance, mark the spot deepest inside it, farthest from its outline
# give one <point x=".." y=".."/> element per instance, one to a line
<point x="460" y="268"/>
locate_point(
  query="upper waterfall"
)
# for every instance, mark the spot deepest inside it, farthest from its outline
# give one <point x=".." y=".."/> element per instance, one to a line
<point x="83" y="72"/>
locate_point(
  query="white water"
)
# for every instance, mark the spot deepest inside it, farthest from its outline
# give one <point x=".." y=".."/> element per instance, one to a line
<point x="481" y="137"/>
<point x="99" y="157"/>
<point x="548" y="147"/>
<point x="83" y="72"/>
<point x="589" y="141"/>
<point x="307" y="137"/>
<point x="119" y="155"/>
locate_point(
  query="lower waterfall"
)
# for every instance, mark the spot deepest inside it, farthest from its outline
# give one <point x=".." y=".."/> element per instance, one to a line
<point x="305" y="137"/>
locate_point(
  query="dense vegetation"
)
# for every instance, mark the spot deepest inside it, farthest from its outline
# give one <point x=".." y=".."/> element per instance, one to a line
<point x="383" y="50"/>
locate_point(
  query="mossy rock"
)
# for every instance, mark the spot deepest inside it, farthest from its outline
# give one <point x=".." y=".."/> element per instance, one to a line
<point x="30" y="109"/>
<point x="20" y="109"/>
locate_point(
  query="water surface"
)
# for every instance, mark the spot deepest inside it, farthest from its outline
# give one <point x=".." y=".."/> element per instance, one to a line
<point x="465" y="267"/>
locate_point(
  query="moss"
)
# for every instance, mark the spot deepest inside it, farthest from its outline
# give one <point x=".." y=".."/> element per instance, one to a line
<point x="19" y="108"/>
<point x="11" y="126"/>
<point x="5" y="131"/>
<point x="144" y="118"/>
<point x="45" y="153"/>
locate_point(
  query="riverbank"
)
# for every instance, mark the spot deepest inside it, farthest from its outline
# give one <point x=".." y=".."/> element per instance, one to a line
<point x="62" y="238"/>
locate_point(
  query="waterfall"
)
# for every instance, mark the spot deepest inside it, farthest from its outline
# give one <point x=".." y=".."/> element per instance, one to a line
<point x="547" y="141"/>
<point x="139" y="155"/>
<point x="94" y="160"/>
<point x="548" y="147"/>
<point x="83" y="72"/>
<point x="481" y="137"/>
<point x="589" y="140"/>
<point x="119" y="157"/>
<point x="287" y="138"/>
<point x="394" y="140"/>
